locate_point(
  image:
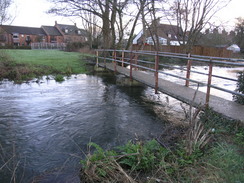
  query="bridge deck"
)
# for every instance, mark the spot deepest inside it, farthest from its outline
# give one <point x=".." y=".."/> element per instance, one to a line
<point x="185" y="94"/>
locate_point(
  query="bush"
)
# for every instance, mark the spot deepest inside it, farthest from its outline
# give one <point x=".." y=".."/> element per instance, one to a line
<point x="240" y="88"/>
<point x="74" y="46"/>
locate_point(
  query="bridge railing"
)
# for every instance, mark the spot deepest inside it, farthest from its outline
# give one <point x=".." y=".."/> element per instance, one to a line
<point x="131" y="58"/>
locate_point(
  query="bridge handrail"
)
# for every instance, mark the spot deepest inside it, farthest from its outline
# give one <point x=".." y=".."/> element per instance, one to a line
<point x="182" y="56"/>
<point x="189" y="58"/>
<point x="173" y="75"/>
<point x="182" y="69"/>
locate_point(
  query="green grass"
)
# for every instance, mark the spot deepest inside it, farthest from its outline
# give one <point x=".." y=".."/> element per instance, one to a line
<point x="61" y="61"/>
<point x="23" y="65"/>
<point x="224" y="163"/>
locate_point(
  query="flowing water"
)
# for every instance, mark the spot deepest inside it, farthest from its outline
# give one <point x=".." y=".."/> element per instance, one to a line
<point x="45" y="126"/>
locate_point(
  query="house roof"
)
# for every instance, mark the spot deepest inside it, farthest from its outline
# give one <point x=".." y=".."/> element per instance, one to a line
<point x="51" y="30"/>
<point x="71" y="29"/>
<point x="23" y="30"/>
<point x="171" y="32"/>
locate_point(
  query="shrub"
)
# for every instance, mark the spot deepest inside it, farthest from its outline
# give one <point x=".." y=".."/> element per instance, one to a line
<point x="240" y="88"/>
<point x="74" y="46"/>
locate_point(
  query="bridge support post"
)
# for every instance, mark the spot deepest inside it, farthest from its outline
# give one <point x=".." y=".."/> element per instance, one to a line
<point x="209" y="81"/>
<point x="156" y="72"/>
<point x="188" y="72"/>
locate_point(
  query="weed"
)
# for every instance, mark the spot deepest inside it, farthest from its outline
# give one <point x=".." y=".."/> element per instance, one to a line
<point x="101" y="166"/>
<point x="148" y="155"/>
<point x="59" y="78"/>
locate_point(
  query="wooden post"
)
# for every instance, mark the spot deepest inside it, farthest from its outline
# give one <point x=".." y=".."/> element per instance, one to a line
<point x="188" y="72"/>
<point x="156" y="72"/>
<point x="209" y="81"/>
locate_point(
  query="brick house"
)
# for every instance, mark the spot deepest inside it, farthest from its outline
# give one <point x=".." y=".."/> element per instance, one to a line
<point x="20" y="36"/>
<point x="71" y="33"/>
<point x="23" y="36"/>
<point x="52" y="34"/>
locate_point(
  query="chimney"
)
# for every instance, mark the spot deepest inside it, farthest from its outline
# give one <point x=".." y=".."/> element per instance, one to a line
<point x="56" y="22"/>
<point x="75" y="24"/>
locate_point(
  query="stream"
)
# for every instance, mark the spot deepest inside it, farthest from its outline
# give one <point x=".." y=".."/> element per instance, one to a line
<point x="45" y="126"/>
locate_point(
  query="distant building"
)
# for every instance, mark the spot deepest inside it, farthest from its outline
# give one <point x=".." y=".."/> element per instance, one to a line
<point x="23" y="36"/>
<point x="235" y="48"/>
<point x="167" y="34"/>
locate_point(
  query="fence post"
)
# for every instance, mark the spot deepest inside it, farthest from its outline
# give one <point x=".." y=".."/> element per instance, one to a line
<point x="114" y="53"/>
<point x="156" y="72"/>
<point x="209" y="81"/>
<point x="131" y="65"/>
<point x="188" y="72"/>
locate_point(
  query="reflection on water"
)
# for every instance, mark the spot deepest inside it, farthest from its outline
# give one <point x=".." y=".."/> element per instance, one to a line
<point x="44" y="128"/>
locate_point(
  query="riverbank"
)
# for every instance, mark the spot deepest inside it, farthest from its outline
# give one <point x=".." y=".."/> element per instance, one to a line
<point x="23" y="65"/>
<point x="219" y="160"/>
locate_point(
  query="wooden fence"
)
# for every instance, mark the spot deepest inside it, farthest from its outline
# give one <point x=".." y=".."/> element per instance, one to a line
<point x="57" y="46"/>
<point x="196" y="50"/>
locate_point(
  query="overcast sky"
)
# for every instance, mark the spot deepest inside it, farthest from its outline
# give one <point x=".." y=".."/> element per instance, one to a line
<point x="32" y="13"/>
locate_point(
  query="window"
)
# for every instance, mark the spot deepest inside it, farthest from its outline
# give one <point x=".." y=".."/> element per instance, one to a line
<point x="79" y="32"/>
<point x="28" y="38"/>
<point x="15" y="35"/>
<point x="53" y="39"/>
<point x="66" y="30"/>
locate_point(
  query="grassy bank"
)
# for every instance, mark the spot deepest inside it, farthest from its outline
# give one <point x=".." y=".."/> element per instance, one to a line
<point x="221" y="159"/>
<point x="19" y="65"/>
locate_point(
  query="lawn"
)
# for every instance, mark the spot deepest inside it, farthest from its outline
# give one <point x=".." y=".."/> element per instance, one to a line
<point x="58" y="60"/>
<point x="22" y="65"/>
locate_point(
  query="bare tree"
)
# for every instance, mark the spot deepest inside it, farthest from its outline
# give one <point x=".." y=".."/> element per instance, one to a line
<point x="239" y="29"/>
<point x="99" y="8"/>
<point x="110" y="14"/>
<point x="4" y="14"/>
<point x="191" y="16"/>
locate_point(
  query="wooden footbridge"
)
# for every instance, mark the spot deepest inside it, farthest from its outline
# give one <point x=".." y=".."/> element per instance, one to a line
<point x="147" y="72"/>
